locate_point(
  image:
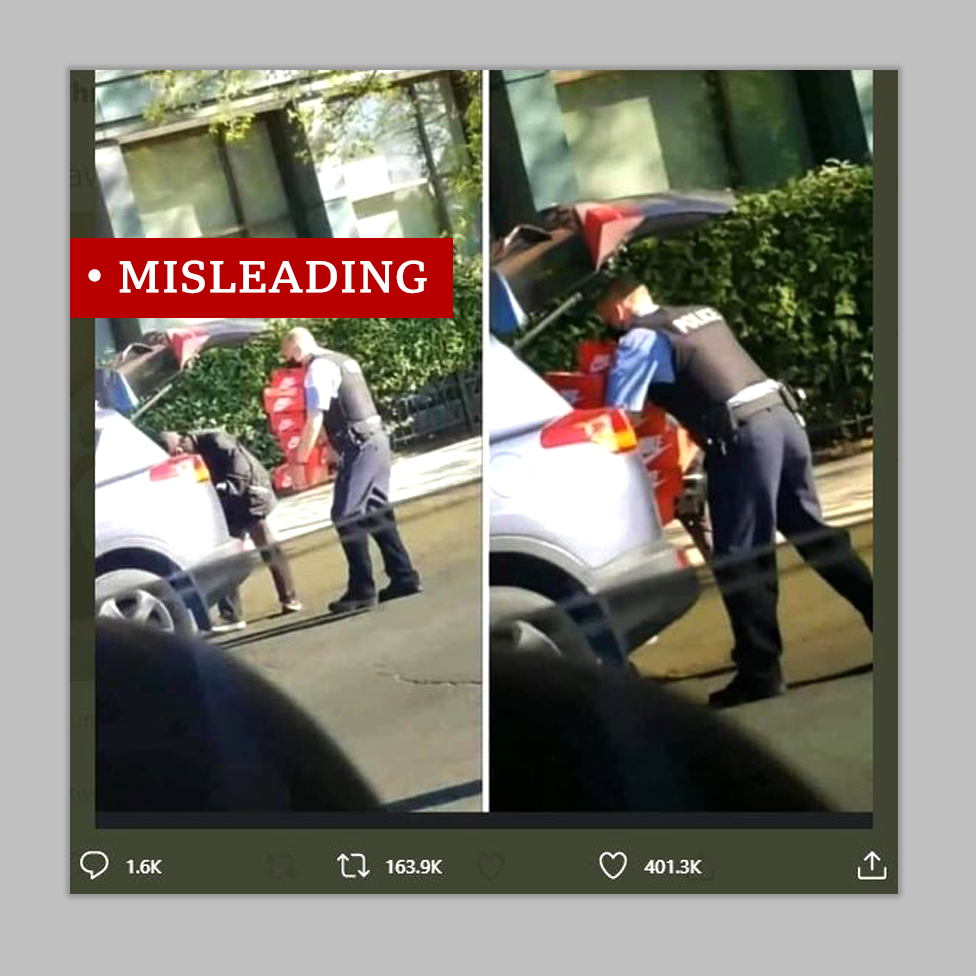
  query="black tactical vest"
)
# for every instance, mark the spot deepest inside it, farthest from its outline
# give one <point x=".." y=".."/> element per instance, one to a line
<point x="353" y="405"/>
<point x="710" y="366"/>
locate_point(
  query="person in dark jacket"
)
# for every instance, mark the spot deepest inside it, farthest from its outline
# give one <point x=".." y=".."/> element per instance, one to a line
<point x="758" y="461"/>
<point x="244" y="489"/>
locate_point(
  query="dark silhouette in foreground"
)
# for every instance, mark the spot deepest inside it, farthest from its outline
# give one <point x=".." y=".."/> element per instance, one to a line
<point x="570" y="737"/>
<point x="182" y="726"/>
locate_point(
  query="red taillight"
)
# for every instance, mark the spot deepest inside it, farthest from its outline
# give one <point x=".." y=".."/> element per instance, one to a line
<point x="185" y="466"/>
<point x="609" y="429"/>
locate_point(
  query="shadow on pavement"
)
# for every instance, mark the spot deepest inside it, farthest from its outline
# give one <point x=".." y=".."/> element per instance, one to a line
<point x="436" y="798"/>
<point x="294" y="627"/>
<point x="819" y="680"/>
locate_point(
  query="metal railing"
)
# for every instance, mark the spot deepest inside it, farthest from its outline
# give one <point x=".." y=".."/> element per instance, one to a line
<point x="451" y="405"/>
<point x="850" y="429"/>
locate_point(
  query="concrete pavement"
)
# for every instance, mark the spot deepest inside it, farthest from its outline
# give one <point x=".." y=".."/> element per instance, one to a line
<point x="412" y="476"/>
<point x="823" y="635"/>
<point x="823" y="727"/>
<point x="824" y="731"/>
<point x="399" y="688"/>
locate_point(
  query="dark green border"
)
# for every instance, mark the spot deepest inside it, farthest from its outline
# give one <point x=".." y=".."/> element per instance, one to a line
<point x="534" y="860"/>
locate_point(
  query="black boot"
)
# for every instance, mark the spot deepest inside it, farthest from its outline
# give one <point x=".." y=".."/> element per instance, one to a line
<point x="351" y="603"/>
<point x="361" y="590"/>
<point x="399" y="588"/>
<point x="742" y="689"/>
<point x="404" y="579"/>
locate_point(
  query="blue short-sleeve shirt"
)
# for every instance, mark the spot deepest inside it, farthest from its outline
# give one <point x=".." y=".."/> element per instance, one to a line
<point x="643" y="357"/>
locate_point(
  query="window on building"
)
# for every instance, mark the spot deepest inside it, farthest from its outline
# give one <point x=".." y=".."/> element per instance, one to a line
<point x="864" y="86"/>
<point x="384" y="162"/>
<point x="254" y="173"/>
<point x="197" y="185"/>
<point x="378" y="165"/>
<point x="633" y="132"/>
<point x="766" y="125"/>
<point x="445" y="137"/>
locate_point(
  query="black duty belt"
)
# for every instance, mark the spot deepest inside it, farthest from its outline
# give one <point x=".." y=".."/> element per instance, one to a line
<point x="359" y="431"/>
<point x="371" y="426"/>
<point x="742" y="412"/>
<point x="723" y="421"/>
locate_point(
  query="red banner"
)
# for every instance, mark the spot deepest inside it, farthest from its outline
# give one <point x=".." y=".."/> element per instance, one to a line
<point x="332" y="277"/>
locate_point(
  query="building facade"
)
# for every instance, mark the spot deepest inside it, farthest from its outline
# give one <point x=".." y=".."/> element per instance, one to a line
<point x="314" y="162"/>
<point x="566" y="136"/>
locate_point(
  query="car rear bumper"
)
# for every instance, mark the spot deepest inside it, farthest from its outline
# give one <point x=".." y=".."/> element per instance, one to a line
<point x="224" y="570"/>
<point x="636" y="595"/>
<point x="644" y="591"/>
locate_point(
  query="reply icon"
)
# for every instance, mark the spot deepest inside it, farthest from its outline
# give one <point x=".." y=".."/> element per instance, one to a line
<point x="94" y="863"/>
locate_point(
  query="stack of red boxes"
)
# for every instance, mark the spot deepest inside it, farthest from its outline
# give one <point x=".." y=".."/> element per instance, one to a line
<point x="667" y="448"/>
<point x="284" y="403"/>
<point x="586" y="389"/>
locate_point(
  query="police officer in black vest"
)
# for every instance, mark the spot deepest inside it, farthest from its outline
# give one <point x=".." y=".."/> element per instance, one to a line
<point x="338" y="398"/>
<point x="759" y="466"/>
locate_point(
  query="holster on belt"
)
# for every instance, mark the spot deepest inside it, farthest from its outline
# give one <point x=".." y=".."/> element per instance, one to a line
<point x="745" y="411"/>
<point x="723" y="420"/>
<point x="361" y="430"/>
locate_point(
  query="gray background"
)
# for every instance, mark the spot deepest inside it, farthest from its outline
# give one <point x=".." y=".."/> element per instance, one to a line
<point x="803" y="934"/>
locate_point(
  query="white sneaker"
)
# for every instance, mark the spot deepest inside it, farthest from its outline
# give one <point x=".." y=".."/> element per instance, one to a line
<point x="227" y="626"/>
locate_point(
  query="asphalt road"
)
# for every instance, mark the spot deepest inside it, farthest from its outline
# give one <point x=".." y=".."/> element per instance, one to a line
<point x="823" y="727"/>
<point x="399" y="688"/>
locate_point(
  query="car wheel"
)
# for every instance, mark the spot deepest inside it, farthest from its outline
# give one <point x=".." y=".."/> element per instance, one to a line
<point x="524" y="621"/>
<point x="142" y="597"/>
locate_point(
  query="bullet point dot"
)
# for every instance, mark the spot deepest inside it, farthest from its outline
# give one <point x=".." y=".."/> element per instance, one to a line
<point x="94" y="274"/>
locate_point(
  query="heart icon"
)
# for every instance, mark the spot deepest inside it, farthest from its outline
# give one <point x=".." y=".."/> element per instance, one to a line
<point x="491" y="865"/>
<point x="613" y="864"/>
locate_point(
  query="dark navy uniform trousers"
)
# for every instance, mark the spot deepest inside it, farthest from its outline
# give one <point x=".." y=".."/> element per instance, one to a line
<point x="361" y="508"/>
<point x="764" y="482"/>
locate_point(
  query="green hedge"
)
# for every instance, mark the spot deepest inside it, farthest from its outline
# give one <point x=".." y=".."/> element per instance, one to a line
<point x="790" y="269"/>
<point x="223" y="388"/>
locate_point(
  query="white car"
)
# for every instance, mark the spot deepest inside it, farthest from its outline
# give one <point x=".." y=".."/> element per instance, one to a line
<point x="162" y="551"/>
<point x="578" y="562"/>
<point x="163" y="555"/>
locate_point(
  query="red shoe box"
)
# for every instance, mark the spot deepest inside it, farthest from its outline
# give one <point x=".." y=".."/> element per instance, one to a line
<point x="582" y="391"/>
<point x="287" y="422"/>
<point x="593" y="356"/>
<point x="277" y="402"/>
<point x="288" y="379"/>
<point x="321" y="452"/>
<point x="288" y="478"/>
<point x="316" y="474"/>
<point x="659" y="442"/>
<point x="289" y="442"/>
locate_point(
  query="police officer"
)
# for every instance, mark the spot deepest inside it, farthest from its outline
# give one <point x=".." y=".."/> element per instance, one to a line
<point x="759" y="466"/>
<point x="338" y="398"/>
<point x="244" y="490"/>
